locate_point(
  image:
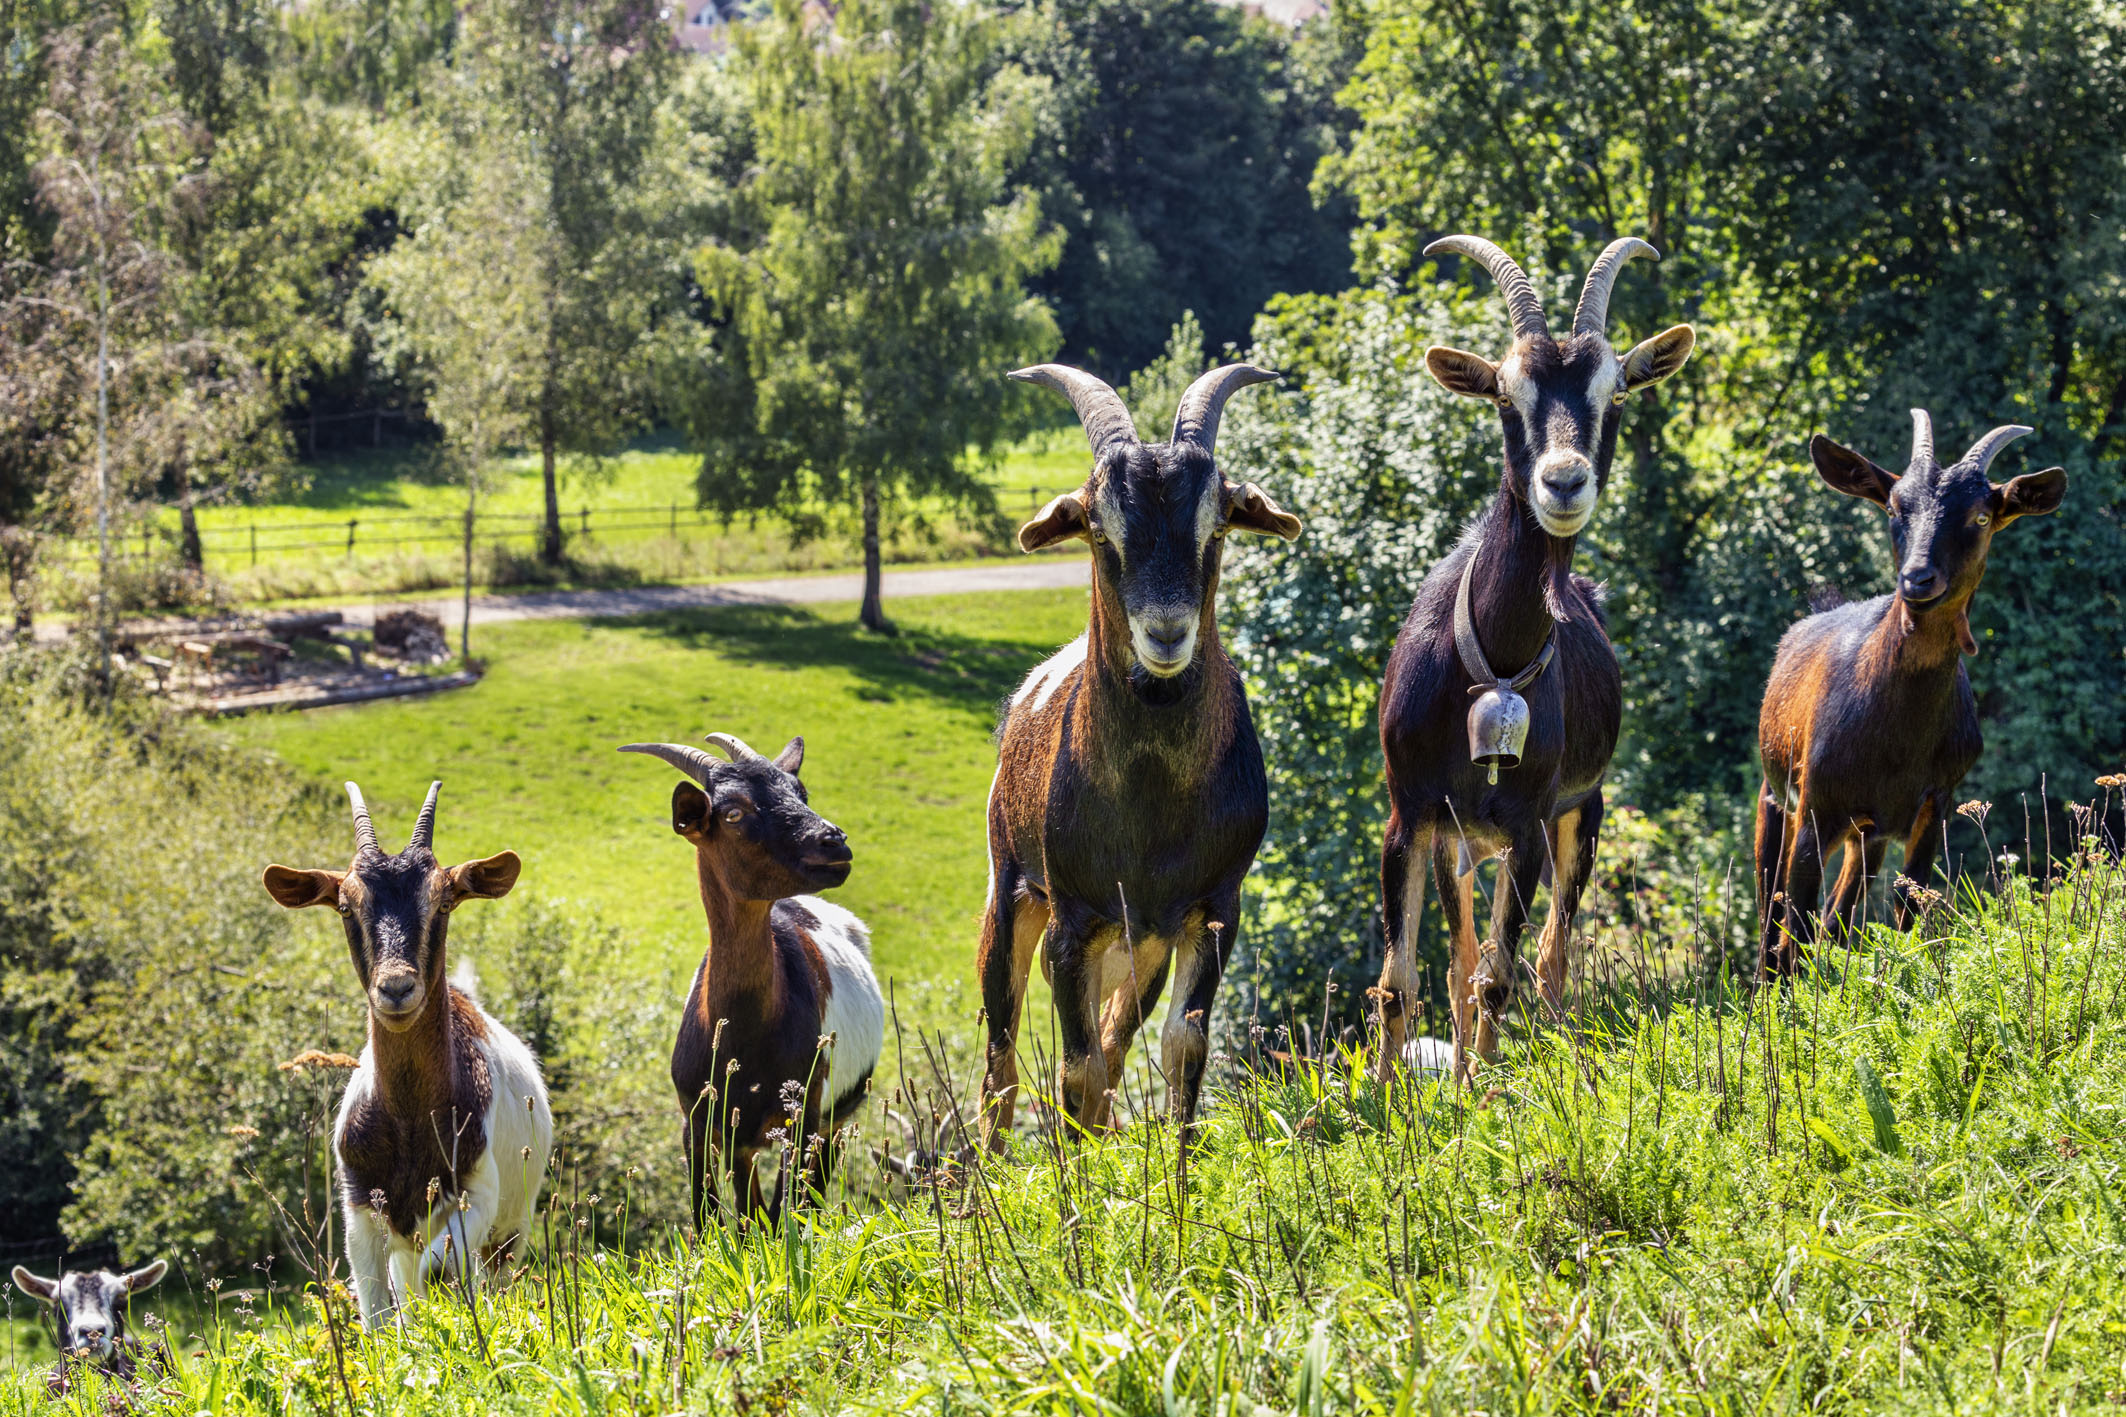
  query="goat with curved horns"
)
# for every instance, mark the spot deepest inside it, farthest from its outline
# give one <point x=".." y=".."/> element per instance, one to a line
<point x="1129" y="797"/>
<point x="1868" y="723"/>
<point x="444" y="1130"/>
<point x="784" y="1023"/>
<point x="1502" y="701"/>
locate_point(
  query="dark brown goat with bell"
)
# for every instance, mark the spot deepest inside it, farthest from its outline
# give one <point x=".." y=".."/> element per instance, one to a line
<point x="1869" y="723"/>
<point x="1502" y="700"/>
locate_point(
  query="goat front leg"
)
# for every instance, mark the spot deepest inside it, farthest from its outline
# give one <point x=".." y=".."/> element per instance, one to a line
<point x="1572" y="852"/>
<point x="456" y="1241"/>
<point x="1127" y="1008"/>
<point x="1861" y="864"/>
<point x="1403" y="856"/>
<point x="369" y="1263"/>
<point x="1498" y="966"/>
<point x="1457" y="897"/>
<point x="1773" y="829"/>
<point x="1921" y="847"/>
<point x="1012" y="925"/>
<point x="1074" y="978"/>
<point x="1185" y="1042"/>
<point x="1794" y="928"/>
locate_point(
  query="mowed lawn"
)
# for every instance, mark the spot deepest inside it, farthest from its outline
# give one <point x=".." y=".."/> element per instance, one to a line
<point x="897" y="752"/>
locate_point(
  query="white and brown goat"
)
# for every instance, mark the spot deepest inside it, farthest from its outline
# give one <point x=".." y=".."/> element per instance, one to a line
<point x="785" y="1021"/>
<point x="89" y="1310"/>
<point x="444" y="1131"/>
<point x="1130" y="796"/>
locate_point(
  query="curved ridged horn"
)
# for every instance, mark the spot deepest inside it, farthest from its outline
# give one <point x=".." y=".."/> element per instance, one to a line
<point x="1521" y="299"/>
<point x="688" y="759"/>
<point x="1922" y="437"/>
<point x="1196" y="420"/>
<point x="1591" y="316"/>
<point x="364" y="829"/>
<point x="1987" y="448"/>
<point x="424" y="826"/>
<point x="735" y="747"/>
<point x="1101" y="411"/>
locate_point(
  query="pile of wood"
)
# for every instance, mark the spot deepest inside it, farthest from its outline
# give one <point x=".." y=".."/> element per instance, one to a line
<point x="242" y="664"/>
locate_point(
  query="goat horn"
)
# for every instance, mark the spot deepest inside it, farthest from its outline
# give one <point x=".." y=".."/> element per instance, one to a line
<point x="364" y="829"/>
<point x="1100" y="409"/>
<point x="689" y="760"/>
<point x="1196" y="420"/>
<point x="734" y="747"/>
<point x="1521" y="299"/>
<point x="424" y="826"/>
<point x="1591" y="316"/>
<point x="1987" y="448"/>
<point x="1922" y="437"/>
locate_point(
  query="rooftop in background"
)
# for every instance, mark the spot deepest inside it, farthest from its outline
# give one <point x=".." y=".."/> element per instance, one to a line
<point x="704" y="26"/>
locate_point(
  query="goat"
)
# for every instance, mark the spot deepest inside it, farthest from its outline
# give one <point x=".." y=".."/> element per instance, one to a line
<point x="1868" y="722"/>
<point x="90" y="1307"/>
<point x="784" y="1023"/>
<point x="1504" y="776"/>
<point x="1129" y="797"/>
<point x="444" y="1130"/>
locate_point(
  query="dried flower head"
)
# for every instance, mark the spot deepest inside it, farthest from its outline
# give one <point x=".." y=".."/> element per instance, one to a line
<point x="1975" y="810"/>
<point x="311" y="1058"/>
<point x="242" y="1133"/>
<point x="2112" y="779"/>
<point x="1923" y="899"/>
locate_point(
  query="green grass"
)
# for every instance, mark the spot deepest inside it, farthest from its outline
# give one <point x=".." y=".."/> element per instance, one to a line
<point x="1891" y="1187"/>
<point x="897" y="753"/>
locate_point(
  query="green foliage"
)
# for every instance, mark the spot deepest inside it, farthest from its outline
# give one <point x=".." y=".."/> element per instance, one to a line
<point x="1154" y="392"/>
<point x="881" y="295"/>
<point x="1175" y="154"/>
<point x="1672" y="1201"/>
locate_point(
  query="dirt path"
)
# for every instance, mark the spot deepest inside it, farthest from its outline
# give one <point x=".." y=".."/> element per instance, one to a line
<point x="1043" y="573"/>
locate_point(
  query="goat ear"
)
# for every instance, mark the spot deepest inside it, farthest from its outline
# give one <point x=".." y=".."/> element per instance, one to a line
<point x="146" y="1277"/>
<point x="296" y="889"/>
<point x="792" y="756"/>
<point x="1470" y="375"/>
<point x="2034" y="494"/>
<point x="34" y="1286"/>
<point x="1252" y="510"/>
<point x="1060" y="520"/>
<point x="1657" y="356"/>
<point x="489" y="878"/>
<point x="1848" y="472"/>
<point x="690" y="809"/>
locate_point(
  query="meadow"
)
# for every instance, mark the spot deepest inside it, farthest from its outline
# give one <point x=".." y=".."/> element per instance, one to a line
<point x="389" y="521"/>
<point x="1888" y="1187"/>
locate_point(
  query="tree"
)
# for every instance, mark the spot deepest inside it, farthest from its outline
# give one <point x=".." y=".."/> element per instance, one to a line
<point x="884" y="298"/>
<point x="1176" y="154"/>
<point x="580" y="82"/>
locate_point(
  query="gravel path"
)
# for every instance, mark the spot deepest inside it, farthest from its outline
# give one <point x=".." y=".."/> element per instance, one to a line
<point x="1043" y="573"/>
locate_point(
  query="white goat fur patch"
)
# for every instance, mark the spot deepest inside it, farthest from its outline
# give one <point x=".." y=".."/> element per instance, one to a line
<point x="1048" y="676"/>
<point x="856" y="1011"/>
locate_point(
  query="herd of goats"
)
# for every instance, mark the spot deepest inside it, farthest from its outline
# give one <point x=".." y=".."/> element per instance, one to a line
<point x="1130" y="800"/>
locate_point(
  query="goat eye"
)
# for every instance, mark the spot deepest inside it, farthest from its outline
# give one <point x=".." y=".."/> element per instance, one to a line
<point x="1503" y="402"/>
<point x="1617" y="398"/>
<point x="1981" y="519"/>
<point x="734" y="814"/>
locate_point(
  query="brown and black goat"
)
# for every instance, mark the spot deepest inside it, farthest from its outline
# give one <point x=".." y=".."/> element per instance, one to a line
<point x="90" y="1307"/>
<point x="784" y="1024"/>
<point x="1868" y="722"/>
<point x="444" y="1130"/>
<point x="1129" y="797"/>
<point x="1501" y="617"/>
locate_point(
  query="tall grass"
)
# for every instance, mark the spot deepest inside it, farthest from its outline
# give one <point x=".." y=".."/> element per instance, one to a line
<point x="1891" y="1185"/>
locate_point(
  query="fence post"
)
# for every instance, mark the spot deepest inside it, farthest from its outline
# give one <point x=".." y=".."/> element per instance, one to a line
<point x="675" y="521"/>
<point x="254" y="543"/>
<point x="351" y="521"/>
<point x="586" y="515"/>
<point x="1033" y="500"/>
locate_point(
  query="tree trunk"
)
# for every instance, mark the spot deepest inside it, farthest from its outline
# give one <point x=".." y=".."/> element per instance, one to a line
<point x="550" y="547"/>
<point x="874" y="612"/>
<point x="18" y="549"/>
<point x="188" y="545"/>
<point x="472" y="499"/>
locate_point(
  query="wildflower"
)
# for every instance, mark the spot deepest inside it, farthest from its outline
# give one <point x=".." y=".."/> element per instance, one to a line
<point x="242" y="1133"/>
<point x="1975" y="810"/>
<point x="1920" y="898"/>
<point x="311" y="1058"/>
<point x="2112" y="779"/>
<point x="792" y="1095"/>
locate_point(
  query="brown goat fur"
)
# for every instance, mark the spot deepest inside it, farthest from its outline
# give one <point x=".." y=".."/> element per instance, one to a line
<point x="1869" y="723"/>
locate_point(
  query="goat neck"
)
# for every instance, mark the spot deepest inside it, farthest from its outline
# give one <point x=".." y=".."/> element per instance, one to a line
<point x="1186" y="720"/>
<point x="1517" y="588"/>
<point x="413" y="1064"/>
<point x="739" y="961"/>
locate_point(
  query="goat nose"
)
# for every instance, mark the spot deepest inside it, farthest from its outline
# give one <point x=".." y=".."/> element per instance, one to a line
<point x="1566" y="483"/>
<point x="1167" y="636"/>
<point x="1921" y="585"/>
<point x="396" y="990"/>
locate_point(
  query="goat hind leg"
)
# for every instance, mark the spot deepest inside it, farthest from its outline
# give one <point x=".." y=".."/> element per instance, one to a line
<point x="1497" y="973"/>
<point x="1572" y="848"/>
<point x="1457" y="898"/>
<point x="1402" y="883"/>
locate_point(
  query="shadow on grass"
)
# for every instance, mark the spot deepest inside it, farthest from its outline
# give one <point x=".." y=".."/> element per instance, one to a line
<point x="969" y="673"/>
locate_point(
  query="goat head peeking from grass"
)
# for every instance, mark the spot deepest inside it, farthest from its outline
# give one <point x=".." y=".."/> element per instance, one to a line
<point x="1869" y="723"/>
<point x="444" y="1130"/>
<point x="1130" y="796"/>
<point x="784" y="1023"/>
<point x="1474" y="768"/>
<point x="90" y="1306"/>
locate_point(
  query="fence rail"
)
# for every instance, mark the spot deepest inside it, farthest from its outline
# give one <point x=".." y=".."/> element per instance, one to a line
<point x="226" y="545"/>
